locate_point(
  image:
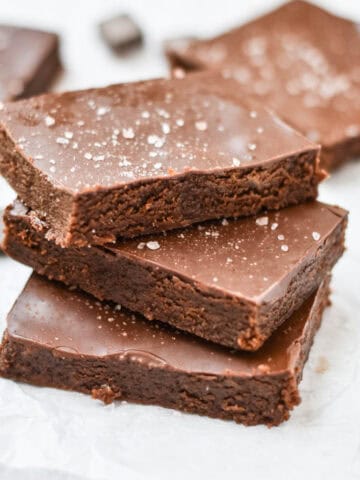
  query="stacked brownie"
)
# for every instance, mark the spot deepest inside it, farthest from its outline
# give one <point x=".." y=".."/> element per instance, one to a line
<point x="188" y="204"/>
<point x="300" y="60"/>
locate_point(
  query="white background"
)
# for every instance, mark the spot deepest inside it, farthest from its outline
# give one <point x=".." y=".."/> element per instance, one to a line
<point x="46" y="434"/>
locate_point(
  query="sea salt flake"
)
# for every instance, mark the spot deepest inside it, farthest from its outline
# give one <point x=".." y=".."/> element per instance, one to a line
<point x="224" y="222"/>
<point x="163" y="113"/>
<point x="274" y="226"/>
<point x="284" y="248"/>
<point x="124" y="162"/>
<point x="253" y="114"/>
<point x="141" y="245"/>
<point x="165" y="127"/>
<point x="69" y="135"/>
<point x="49" y="121"/>
<point x="260" y="130"/>
<point x="316" y="236"/>
<point x="201" y="126"/>
<point x="180" y="122"/>
<point x="155" y="140"/>
<point x="128" y="133"/>
<point x="281" y="237"/>
<point x="52" y="169"/>
<point x="145" y="114"/>
<point x="262" y="221"/>
<point x="151" y="139"/>
<point x="62" y="140"/>
<point x="157" y="165"/>
<point x="102" y="111"/>
<point x="88" y="156"/>
<point x="252" y="146"/>
<point x="236" y="162"/>
<point x="153" y="245"/>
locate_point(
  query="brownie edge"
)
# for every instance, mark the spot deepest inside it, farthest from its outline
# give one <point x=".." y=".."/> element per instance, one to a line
<point x="191" y="278"/>
<point x="141" y="158"/>
<point x="119" y="356"/>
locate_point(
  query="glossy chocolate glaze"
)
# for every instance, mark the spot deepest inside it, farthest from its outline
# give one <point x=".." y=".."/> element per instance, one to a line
<point x="71" y="323"/>
<point x="300" y="60"/>
<point x="22" y="52"/>
<point x="121" y="134"/>
<point x="253" y="258"/>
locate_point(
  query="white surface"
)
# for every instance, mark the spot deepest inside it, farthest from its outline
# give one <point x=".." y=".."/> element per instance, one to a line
<point x="46" y="434"/>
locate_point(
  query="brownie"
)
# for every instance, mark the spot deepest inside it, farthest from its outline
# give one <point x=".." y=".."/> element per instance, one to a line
<point x="29" y="61"/>
<point x="231" y="282"/>
<point x="60" y="338"/>
<point x="150" y="156"/>
<point x="301" y="61"/>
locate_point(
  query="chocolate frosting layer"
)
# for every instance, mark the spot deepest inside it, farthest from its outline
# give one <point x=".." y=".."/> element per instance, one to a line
<point x="254" y="258"/>
<point x="22" y="52"/>
<point x="72" y="323"/>
<point x="125" y="133"/>
<point x="300" y="60"/>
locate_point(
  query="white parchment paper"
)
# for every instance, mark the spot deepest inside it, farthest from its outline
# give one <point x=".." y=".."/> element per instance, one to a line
<point x="49" y="434"/>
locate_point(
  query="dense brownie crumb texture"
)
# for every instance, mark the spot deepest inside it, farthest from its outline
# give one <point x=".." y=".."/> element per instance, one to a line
<point x="65" y="339"/>
<point x="231" y="282"/>
<point x="29" y="61"/>
<point x="146" y="157"/>
<point x="300" y="60"/>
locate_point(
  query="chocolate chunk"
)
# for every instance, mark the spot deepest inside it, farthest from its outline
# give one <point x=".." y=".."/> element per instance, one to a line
<point x="121" y="33"/>
<point x="64" y="339"/>
<point x="29" y="61"/>
<point x="301" y="61"/>
<point x="151" y="156"/>
<point x="231" y="282"/>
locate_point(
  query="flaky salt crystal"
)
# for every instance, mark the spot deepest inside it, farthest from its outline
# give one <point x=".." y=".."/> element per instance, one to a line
<point x="153" y="245"/>
<point x="262" y="221"/>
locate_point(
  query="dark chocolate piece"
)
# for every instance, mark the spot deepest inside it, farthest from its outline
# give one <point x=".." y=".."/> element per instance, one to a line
<point x="29" y="61"/>
<point x="231" y="282"/>
<point x="150" y="156"/>
<point x="64" y="339"/>
<point x="301" y="61"/>
<point x="121" y="33"/>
